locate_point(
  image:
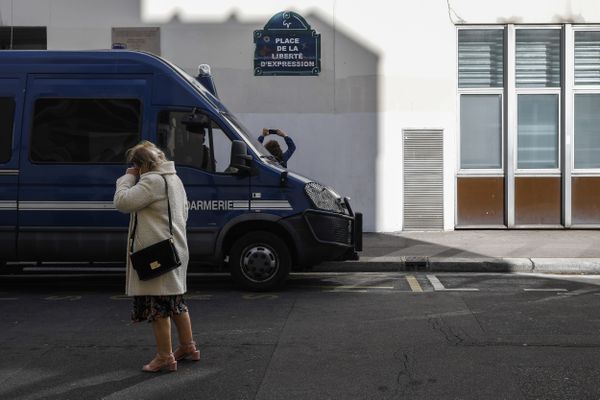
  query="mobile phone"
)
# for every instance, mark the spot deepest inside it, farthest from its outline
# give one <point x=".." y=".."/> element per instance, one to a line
<point x="272" y="131"/>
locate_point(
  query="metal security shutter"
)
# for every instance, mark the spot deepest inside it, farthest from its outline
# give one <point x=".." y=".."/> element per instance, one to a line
<point x="423" y="180"/>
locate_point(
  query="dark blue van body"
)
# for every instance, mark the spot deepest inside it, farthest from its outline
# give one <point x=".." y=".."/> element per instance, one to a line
<point x="66" y="120"/>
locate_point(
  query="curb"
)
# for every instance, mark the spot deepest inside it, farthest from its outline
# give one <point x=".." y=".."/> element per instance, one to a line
<point x="479" y="264"/>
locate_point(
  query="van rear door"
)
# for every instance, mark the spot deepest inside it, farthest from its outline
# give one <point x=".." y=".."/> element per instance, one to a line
<point x="11" y="107"/>
<point x="78" y="129"/>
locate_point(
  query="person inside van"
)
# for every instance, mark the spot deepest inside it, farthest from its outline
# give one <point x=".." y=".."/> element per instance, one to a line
<point x="273" y="146"/>
<point x="197" y="125"/>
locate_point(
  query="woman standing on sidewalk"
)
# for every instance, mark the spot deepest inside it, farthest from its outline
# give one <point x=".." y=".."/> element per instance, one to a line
<point x="160" y="299"/>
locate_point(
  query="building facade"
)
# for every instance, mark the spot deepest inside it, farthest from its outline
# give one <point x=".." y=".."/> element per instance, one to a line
<point x="431" y="115"/>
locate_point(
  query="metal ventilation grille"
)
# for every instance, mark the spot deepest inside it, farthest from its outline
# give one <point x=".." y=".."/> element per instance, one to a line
<point x="330" y="228"/>
<point x="423" y="180"/>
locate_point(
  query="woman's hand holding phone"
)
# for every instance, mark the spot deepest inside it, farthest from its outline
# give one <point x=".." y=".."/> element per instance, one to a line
<point x="133" y="171"/>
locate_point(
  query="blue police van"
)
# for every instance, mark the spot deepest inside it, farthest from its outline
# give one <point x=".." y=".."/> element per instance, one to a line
<point x="66" y="120"/>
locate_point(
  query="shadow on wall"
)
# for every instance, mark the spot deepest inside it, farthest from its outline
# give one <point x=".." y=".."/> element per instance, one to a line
<point x="331" y="117"/>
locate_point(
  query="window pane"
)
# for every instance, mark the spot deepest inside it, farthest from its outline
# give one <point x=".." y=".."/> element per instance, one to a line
<point x="84" y="130"/>
<point x="537" y="133"/>
<point x="538" y="57"/>
<point x="587" y="131"/>
<point x="480" y="58"/>
<point x="480" y="131"/>
<point x="23" y="37"/>
<point x="7" y="115"/>
<point x="193" y="149"/>
<point x="587" y="58"/>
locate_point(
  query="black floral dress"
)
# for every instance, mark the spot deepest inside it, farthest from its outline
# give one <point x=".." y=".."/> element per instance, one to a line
<point x="149" y="308"/>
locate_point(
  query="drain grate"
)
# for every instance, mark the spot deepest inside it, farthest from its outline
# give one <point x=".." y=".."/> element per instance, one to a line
<point x="412" y="264"/>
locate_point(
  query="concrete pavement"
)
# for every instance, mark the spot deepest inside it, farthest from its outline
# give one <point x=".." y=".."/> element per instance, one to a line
<point x="545" y="251"/>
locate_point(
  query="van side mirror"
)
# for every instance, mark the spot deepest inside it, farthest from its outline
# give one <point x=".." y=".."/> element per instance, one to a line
<point x="240" y="159"/>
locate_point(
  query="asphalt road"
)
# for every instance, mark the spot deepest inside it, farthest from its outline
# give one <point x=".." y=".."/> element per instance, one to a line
<point x="325" y="336"/>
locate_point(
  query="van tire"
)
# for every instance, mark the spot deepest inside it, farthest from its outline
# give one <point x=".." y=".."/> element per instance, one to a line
<point x="260" y="261"/>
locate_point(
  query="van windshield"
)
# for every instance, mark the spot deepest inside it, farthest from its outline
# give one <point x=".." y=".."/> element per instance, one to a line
<point x="250" y="139"/>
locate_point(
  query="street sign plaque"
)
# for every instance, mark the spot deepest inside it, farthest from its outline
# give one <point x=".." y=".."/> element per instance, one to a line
<point x="287" y="46"/>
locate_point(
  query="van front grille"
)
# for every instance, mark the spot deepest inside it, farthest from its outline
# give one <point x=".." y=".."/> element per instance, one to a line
<point x="330" y="228"/>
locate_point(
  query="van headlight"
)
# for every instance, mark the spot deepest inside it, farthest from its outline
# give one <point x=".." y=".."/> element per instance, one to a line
<point x="325" y="198"/>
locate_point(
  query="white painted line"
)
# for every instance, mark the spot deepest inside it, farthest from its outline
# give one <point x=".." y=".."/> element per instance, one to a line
<point x="347" y="287"/>
<point x="439" y="287"/>
<point x="384" y="274"/>
<point x="260" y="296"/>
<point x="364" y="287"/>
<point x="414" y="284"/>
<point x="545" y="290"/>
<point x="69" y="298"/>
<point x="345" y="291"/>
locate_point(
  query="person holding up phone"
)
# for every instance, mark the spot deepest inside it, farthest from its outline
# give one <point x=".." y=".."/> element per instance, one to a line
<point x="273" y="146"/>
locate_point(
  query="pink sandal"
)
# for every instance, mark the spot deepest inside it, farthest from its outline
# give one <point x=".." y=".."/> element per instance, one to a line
<point x="187" y="350"/>
<point x="166" y="361"/>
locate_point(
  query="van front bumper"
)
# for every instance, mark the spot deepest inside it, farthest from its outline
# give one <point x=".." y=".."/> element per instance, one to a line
<point x="325" y="236"/>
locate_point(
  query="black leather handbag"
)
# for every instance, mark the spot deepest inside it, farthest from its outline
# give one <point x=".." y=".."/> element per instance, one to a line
<point x="157" y="259"/>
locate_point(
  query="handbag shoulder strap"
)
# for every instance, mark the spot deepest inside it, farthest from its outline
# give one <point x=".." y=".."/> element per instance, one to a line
<point x="131" y="238"/>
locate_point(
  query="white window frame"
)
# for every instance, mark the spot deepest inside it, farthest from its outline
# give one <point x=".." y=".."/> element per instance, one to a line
<point x="514" y="103"/>
<point x="482" y="172"/>
<point x="538" y="171"/>
<point x="575" y="90"/>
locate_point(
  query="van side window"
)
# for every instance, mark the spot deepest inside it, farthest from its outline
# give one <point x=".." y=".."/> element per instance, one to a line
<point x="7" y="116"/>
<point x="84" y="130"/>
<point x="209" y="151"/>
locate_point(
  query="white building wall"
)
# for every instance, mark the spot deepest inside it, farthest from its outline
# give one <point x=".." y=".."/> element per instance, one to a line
<point x="390" y="68"/>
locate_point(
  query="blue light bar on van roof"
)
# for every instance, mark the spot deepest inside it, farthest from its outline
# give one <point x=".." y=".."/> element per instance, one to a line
<point x="203" y="69"/>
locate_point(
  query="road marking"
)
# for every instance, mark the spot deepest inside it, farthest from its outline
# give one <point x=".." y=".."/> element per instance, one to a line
<point x="362" y="287"/>
<point x="562" y="295"/>
<point x="120" y="297"/>
<point x="414" y="284"/>
<point x="70" y="298"/>
<point x="545" y="290"/>
<point x="437" y="286"/>
<point x="358" y="274"/>
<point x="352" y="288"/>
<point x="198" y="296"/>
<point x="346" y="291"/>
<point x="346" y="287"/>
<point x="260" y="296"/>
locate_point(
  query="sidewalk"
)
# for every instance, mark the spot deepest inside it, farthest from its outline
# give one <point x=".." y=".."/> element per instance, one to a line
<point x="544" y="251"/>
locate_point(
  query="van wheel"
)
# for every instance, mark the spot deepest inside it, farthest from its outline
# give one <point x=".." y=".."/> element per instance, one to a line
<point x="259" y="261"/>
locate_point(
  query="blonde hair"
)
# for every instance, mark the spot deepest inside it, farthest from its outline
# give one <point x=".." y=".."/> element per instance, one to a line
<point x="146" y="155"/>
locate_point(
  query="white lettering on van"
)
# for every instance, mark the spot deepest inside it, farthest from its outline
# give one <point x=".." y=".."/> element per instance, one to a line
<point x="210" y="205"/>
